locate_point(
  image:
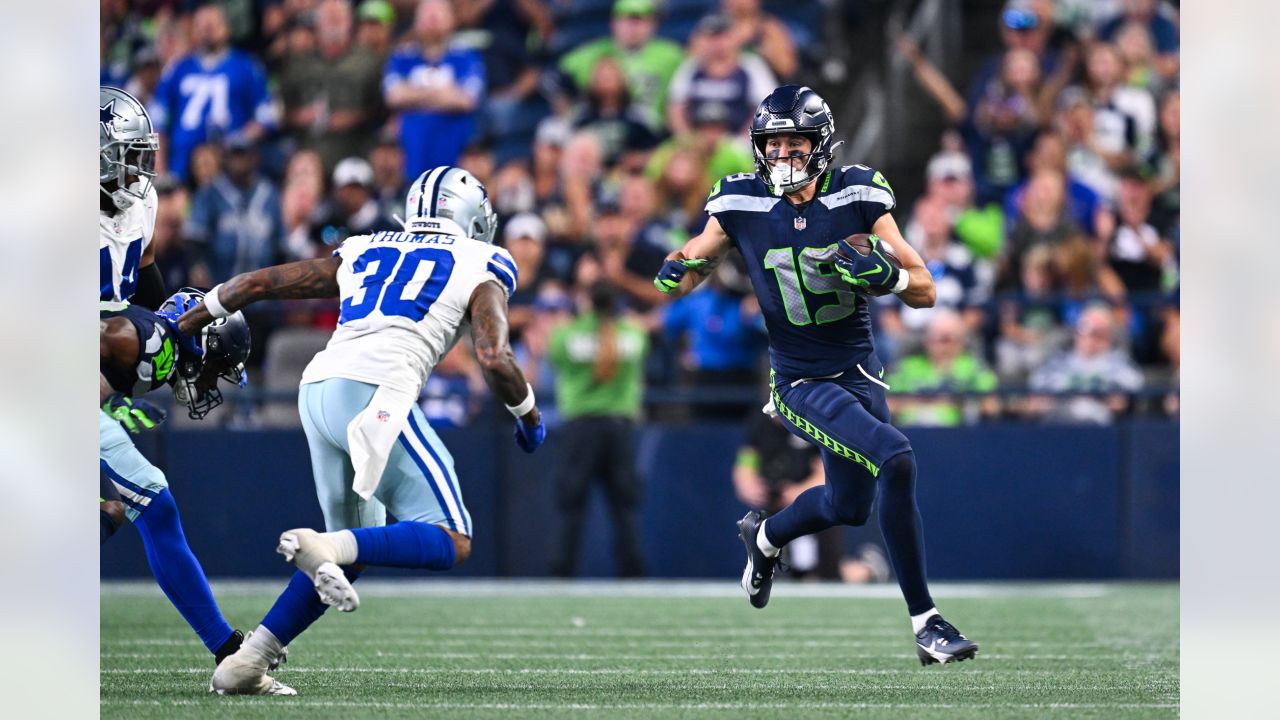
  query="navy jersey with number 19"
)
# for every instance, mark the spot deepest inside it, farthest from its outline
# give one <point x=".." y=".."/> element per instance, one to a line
<point x="818" y="326"/>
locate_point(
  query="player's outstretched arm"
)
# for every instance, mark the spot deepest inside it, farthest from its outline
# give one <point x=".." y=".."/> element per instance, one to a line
<point x="920" y="292"/>
<point x="701" y="255"/>
<point x="307" y="279"/>
<point x="489" y="334"/>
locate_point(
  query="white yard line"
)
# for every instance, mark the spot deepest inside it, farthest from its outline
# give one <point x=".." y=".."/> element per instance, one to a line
<point x="525" y="707"/>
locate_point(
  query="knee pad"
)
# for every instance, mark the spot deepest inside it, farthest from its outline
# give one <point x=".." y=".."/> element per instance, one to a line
<point x="899" y="469"/>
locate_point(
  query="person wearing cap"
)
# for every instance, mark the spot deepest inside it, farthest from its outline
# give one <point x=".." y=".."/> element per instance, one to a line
<point x="352" y="208"/>
<point x="331" y="96"/>
<point x="720" y="73"/>
<point x="434" y="89"/>
<point x="235" y="224"/>
<point x="648" y="62"/>
<point x="525" y="237"/>
<point x="375" y="23"/>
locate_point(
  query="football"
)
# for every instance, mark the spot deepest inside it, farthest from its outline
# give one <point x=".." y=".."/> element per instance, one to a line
<point x="861" y="242"/>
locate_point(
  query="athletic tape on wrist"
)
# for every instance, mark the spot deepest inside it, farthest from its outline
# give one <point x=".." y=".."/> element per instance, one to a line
<point x="904" y="279"/>
<point x="525" y="405"/>
<point x="213" y="305"/>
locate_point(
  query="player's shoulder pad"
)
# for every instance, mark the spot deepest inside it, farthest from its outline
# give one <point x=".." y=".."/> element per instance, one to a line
<point x="742" y="192"/>
<point x="858" y="183"/>
<point x="502" y="266"/>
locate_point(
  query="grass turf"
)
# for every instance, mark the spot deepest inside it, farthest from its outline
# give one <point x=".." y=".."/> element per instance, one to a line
<point x="519" y="650"/>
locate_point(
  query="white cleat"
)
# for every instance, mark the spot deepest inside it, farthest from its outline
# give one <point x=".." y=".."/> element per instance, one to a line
<point x="245" y="673"/>
<point x="314" y="554"/>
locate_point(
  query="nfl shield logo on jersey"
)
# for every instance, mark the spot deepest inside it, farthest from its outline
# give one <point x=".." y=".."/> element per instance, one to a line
<point x="800" y="223"/>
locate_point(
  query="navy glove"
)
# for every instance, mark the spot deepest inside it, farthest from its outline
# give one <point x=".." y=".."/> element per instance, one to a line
<point x="866" y="272"/>
<point x="673" y="272"/>
<point x="135" y="415"/>
<point x="530" y="438"/>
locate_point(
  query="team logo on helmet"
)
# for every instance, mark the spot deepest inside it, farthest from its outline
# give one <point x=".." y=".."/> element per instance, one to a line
<point x="108" y="116"/>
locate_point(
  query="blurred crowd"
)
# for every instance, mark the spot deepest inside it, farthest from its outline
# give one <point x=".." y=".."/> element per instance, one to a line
<point x="1049" y="218"/>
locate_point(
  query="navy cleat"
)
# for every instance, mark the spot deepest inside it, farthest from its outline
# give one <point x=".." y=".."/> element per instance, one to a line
<point x="941" y="642"/>
<point x="229" y="647"/>
<point x="757" y="578"/>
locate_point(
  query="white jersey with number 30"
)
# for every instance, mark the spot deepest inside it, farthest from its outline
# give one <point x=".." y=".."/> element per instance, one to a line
<point x="404" y="303"/>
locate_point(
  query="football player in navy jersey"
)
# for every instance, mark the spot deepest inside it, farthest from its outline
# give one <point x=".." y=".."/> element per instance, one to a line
<point x="788" y="220"/>
<point x="141" y="350"/>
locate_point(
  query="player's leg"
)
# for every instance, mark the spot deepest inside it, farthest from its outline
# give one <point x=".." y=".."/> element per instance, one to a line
<point x="623" y="493"/>
<point x="111" y="510"/>
<point x="151" y="507"/>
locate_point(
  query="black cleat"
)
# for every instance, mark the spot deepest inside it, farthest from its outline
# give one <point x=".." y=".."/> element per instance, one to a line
<point x="757" y="578"/>
<point x="229" y="647"/>
<point x="941" y="642"/>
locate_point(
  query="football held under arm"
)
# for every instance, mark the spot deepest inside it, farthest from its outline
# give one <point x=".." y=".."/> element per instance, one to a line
<point x="920" y="291"/>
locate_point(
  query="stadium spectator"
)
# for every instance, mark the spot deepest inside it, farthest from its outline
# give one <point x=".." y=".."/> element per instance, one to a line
<point x="599" y="359"/>
<point x="627" y="265"/>
<point x="1136" y="251"/>
<point x="679" y="170"/>
<point x="763" y="34"/>
<point x="145" y="76"/>
<point x="1031" y="320"/>
<point x="1163" y="32"/>
<point x="624" y="131"/>
<point x="477" y="159"/>
<point x="963" y="284"/>
<point x="581" y="169"/>
<point x="945" y="366"/>
<point x="213" y="92"/>
<point x="1094" y="365"/>
<point x="1085" y="161"/>
<point x="647" y="62"/>
<point x="525" y="237"/>
<point x="375" y="24"/>
<point x="638" y="203"/>
<point x="387" y="161"/>
<point x="722" y="334"/>
<point x="1050" y="153"/>
<point x="331" y="96"/>
<point x="1042" y="220"/>
<point x="235" y="224"/>
<point x="172" y="255"/>
<point x="1124" y="118"/>
<point x="1137" y="52"/>
<point x="206" y="163"/>
<point x="434" y="90"/>
<point x="352" y="209"/>
<point x="1024" y="25"/>
<point x="1166" y="166"/>
<point x="949" y="179"/>
<point x="718" y="73"/>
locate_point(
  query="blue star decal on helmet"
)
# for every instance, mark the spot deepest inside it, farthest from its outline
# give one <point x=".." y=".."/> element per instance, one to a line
<point x="107" y="114"/>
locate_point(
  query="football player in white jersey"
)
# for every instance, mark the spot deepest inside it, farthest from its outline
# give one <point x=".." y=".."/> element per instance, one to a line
<point x="130" y="486"/>
<point x="406" y="299"/>
<point x="127" y="146"/>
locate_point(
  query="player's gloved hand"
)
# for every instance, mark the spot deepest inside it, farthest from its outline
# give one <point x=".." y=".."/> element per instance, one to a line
<point x="135" y="415"/>
<point x="872" y="270"/>
<point x="188" y="344"/>
<point x="530" y="438"/>
<point x="673" y="272"/>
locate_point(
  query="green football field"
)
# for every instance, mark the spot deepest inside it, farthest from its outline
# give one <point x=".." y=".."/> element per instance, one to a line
<point x="664" y="650"/>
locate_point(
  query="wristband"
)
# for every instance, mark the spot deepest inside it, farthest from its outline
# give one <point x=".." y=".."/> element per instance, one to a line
<point x="904" y="279"/>
<point x="525" y="405"/>
<point x="212" y="304"/>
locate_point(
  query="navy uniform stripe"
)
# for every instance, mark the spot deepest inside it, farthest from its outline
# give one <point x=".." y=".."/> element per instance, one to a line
<point x="509" y="264"/>
<point x="120" y="480"/>
<point x="503" y="274"/>
<point x="451" y="488"/>
<point x="435" y="188"/>
<point x="426" y="472"/>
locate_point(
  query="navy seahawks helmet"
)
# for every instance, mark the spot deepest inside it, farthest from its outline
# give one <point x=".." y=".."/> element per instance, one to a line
<point x="226" y="344"/>
<point x="793" y="110"/>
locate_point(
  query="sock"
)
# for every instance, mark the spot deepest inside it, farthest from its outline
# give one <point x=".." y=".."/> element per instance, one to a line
<point x="405" y="545"/>
<point x="297" y="607"/>
<point x="265" y="643"/>
<point x="918" y="621"/>
<point x="762" y="542"/>
<point x="810" y="513"/>
<point x="178" y="572"/>
<point x="109" y="525"/>
<point x="903" y="532"/>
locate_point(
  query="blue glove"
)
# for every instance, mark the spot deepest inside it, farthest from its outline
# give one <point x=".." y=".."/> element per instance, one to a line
<point x="189" y="345"/>
<point x="529" y="439"/>
<point x="135" y="415"/>
<point x="866" y="272"/>
<point x="673" y="272"/>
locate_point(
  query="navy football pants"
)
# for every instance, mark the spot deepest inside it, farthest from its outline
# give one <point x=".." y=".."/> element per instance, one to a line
<point x="848" y="418"/>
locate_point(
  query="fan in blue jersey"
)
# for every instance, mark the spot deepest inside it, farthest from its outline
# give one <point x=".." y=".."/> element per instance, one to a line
<point x="788" y="220"/>
<point x="211" y="93"/>
<point x="142" y="350"/>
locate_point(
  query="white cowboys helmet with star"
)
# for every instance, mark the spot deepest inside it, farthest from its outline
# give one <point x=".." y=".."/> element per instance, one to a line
<point x="127" y="145"/>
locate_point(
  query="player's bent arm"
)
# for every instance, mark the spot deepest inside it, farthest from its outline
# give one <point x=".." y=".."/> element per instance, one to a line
<point x="150" y="292"/>
<point x="117" y="347"/>
<point x="920" y="292"/>
<point x="307" y="279"/>
<point x="489" y="334"/>
<point x="712" y="244"/>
